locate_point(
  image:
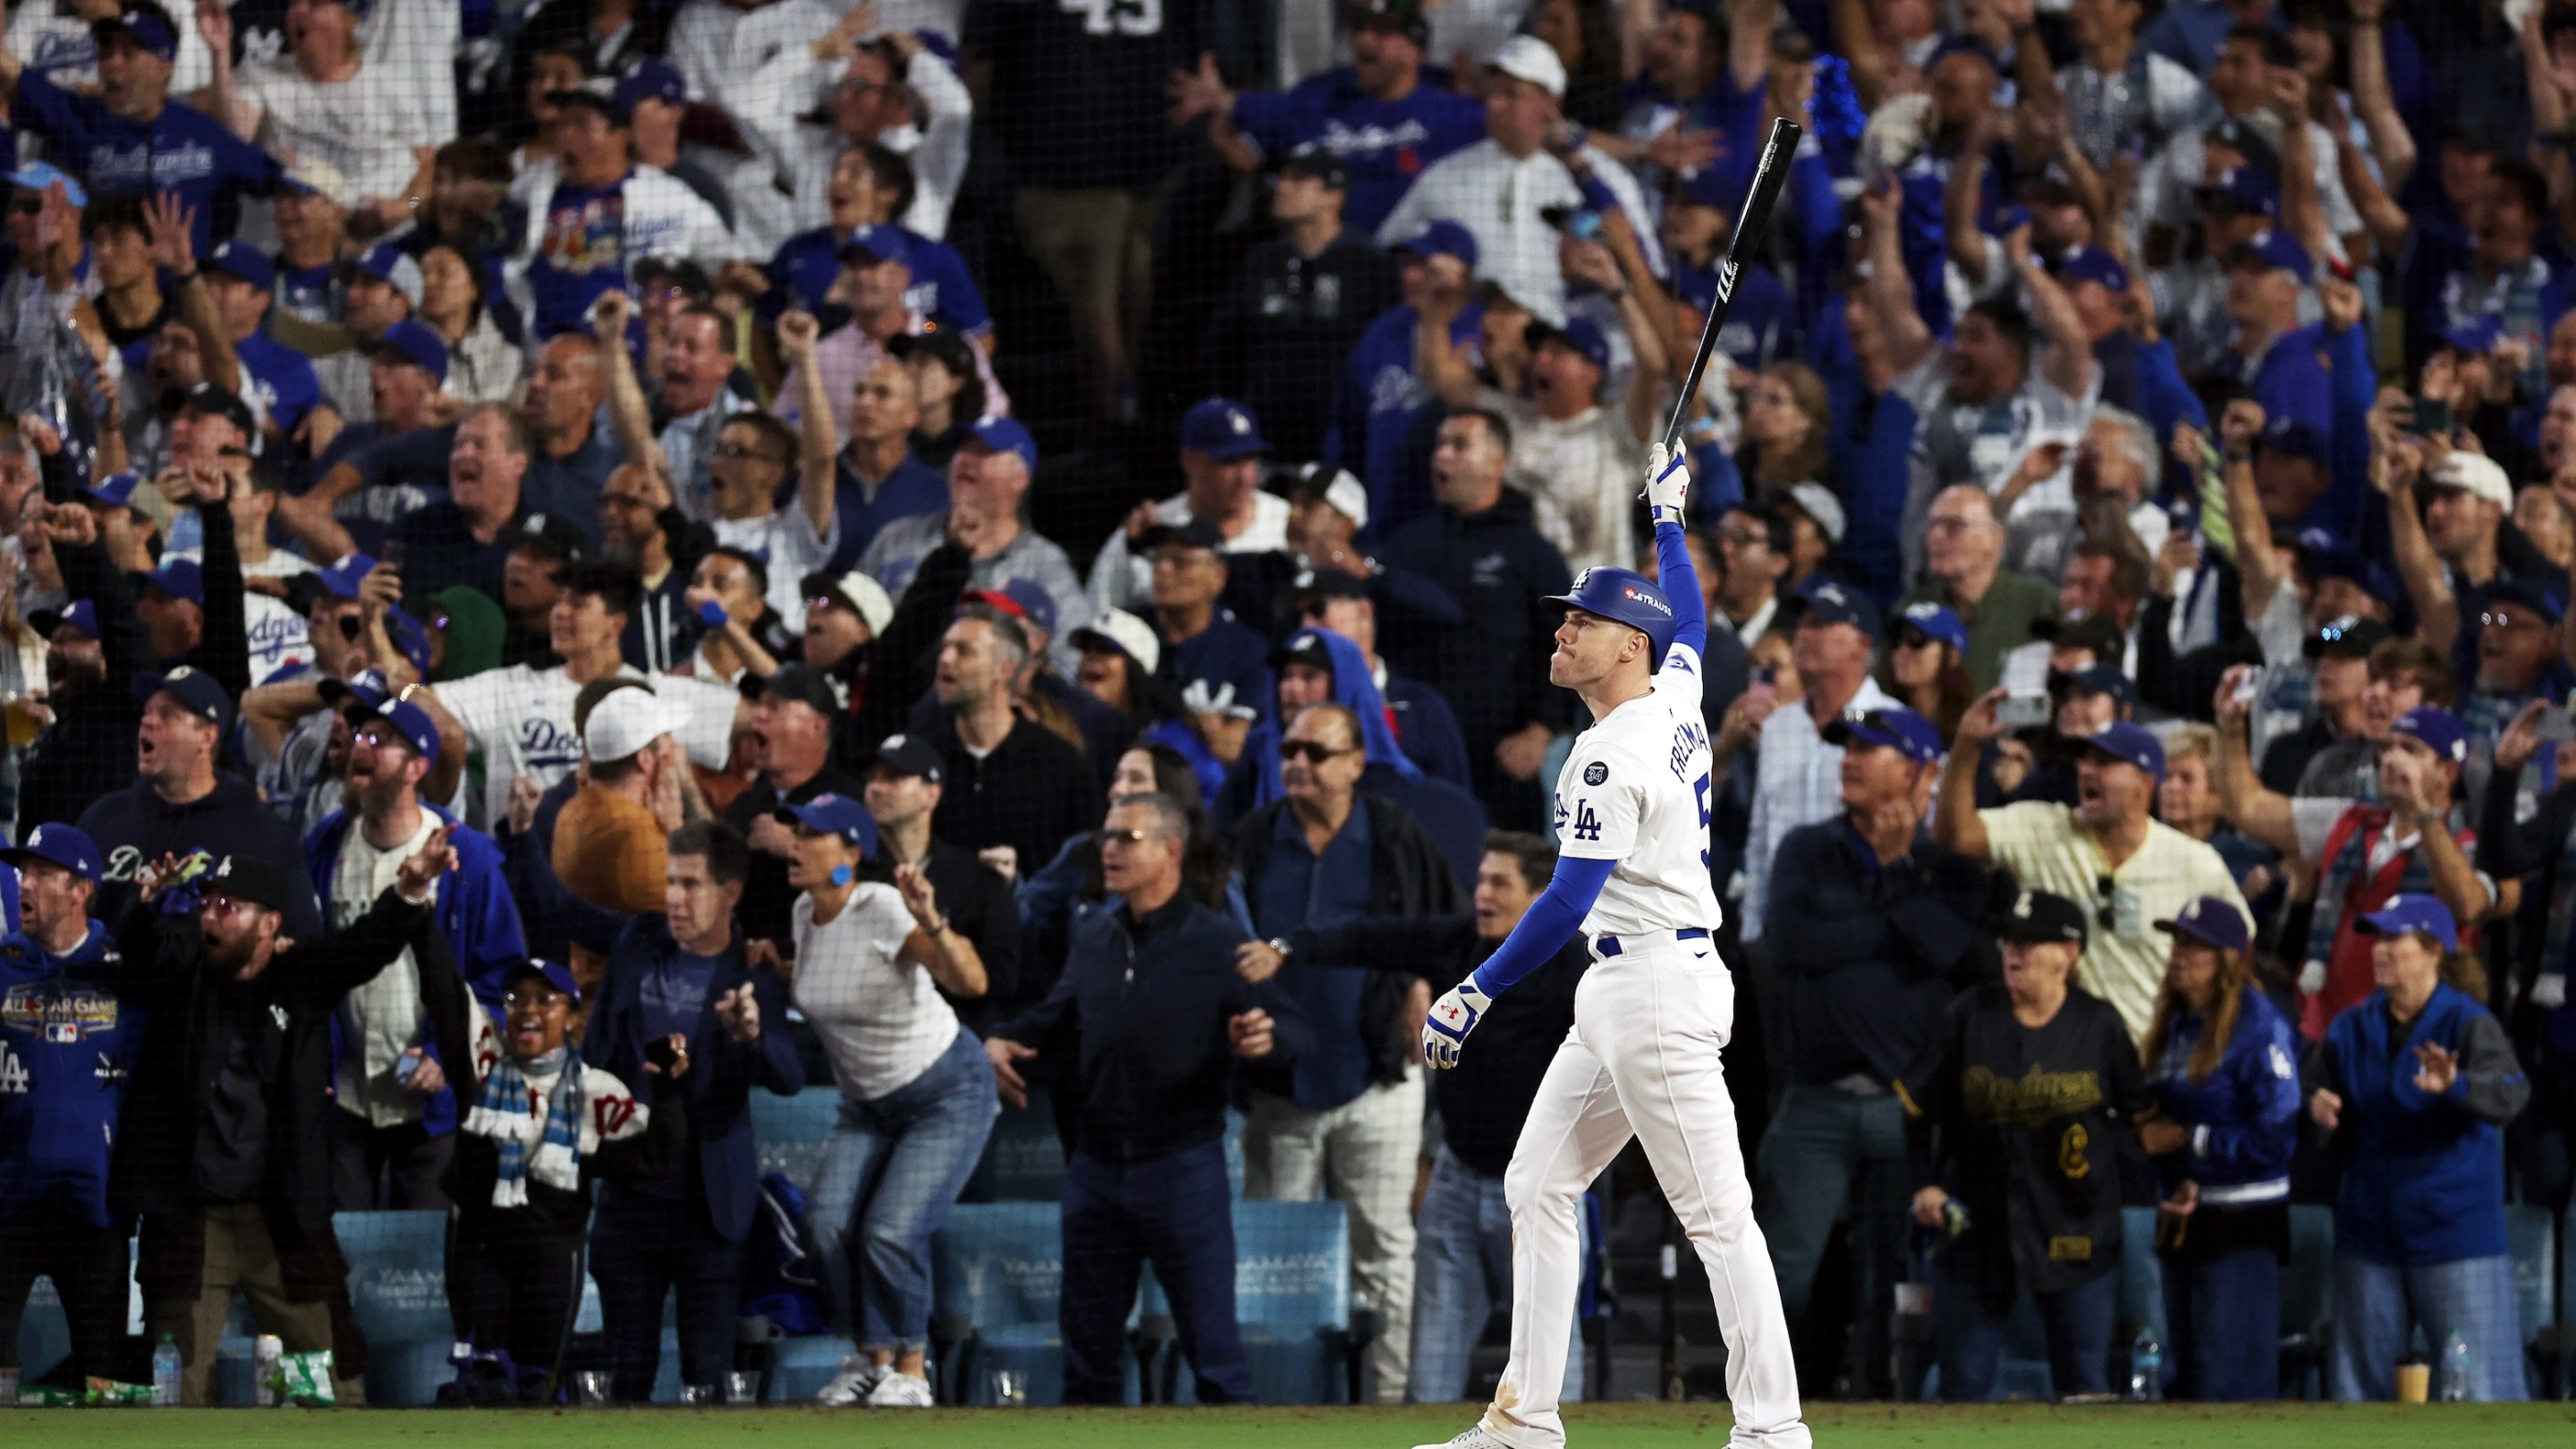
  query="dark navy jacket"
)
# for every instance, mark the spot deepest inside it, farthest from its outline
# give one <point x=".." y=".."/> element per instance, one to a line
<point x="722" y="1071"/>
<point x="2244" y="1120"/>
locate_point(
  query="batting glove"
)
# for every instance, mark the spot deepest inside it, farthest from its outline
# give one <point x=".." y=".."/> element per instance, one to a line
<point x="1667" y="479"/>
<point x="1452" y="1017"/>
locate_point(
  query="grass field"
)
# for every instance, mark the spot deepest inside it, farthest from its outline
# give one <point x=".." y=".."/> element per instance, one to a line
<point x="1592" y="1426"/>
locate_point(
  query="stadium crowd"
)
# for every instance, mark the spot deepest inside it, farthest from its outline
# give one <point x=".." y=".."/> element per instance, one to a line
<point x="543" y="600"/>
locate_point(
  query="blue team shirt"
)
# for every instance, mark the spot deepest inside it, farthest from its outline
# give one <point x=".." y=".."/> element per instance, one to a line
<point x="1377" y="407"/>
<point x="581" y="253"/>
<point x="307" y="292"/>
<point x="1761" y="323"/>
<point x="2289" y="381"/>
<point x="66" y="1047"/>
<point x="810" y="261"/>
<point x="1385" y="144"/>
<point x="187" y="151"/>
<point x="279" y="379"/>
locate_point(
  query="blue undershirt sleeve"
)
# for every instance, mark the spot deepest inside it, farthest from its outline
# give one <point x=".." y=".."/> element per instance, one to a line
<point x="1680" y="583"/>
<point x="1552" y="920"/>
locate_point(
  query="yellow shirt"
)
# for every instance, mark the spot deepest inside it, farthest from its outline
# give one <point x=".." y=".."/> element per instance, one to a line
<point x="2124" y="961"/>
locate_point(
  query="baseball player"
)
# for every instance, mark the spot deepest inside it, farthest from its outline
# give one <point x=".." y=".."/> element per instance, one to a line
<point x="1653" y="1013"/>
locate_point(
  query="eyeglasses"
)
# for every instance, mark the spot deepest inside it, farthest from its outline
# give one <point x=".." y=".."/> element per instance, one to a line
<point x="2498" y="619"/>
<point x="1915" y="639"/>
<point x="1311" y="751"/>
<point x="1744" y="537"/>
<point x="2103" y="914"/>
<point x="1128" y="837"/>
<point x="738" y="450"/>
<point x="350" y="627"/>
<point x="535" y="1000"/>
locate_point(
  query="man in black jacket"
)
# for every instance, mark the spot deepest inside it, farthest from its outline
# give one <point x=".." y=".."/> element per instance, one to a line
<point x="1482" y="546"/>
<point x="1870" y="931"/>
<point x="1150" y="992"/>
<point x="1462" y="1264"/>
<point x="223" y="1153"/>
<point x="1347" y="1116"/>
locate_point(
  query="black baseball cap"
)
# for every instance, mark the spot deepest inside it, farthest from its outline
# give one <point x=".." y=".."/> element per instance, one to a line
<point x="252" y="881"/>
<point x="195" y="689"/>
<point x="1197" y="533"/>
<point x="909" y="755"/>
<point x="803" y="684"/>
<point x="550" y="536"/>
<point x="2037" y="916"/>
<point x="208" y="400"/>
<point x="2346" y="636"/>
<point x="1313" y="160"/>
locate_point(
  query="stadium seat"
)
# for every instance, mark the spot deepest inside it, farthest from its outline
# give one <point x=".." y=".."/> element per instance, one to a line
<point x="44" y="1335"/>
<point x="1026" y="1156"/>
<point x="2307" y="1301"/>
<point x="1000" y="1267"/>
<point x="398" y="1289"/>
<point x="792" y="1130"/>
<point x="1292" y="1293"/>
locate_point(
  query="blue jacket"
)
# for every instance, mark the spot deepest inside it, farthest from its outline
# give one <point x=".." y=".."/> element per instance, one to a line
<point x="2423" y="1179"/>
<point x="2244" y="1120"/>
<point x="66" y="1046"/>
<point x="475" y="912"/>
<point x="722" y="1071"/>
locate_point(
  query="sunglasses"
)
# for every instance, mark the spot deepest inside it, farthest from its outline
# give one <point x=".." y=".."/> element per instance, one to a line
<point x="1915" y="639"/>
<point x="350" y="627"/>
<point x="2103" y="914"/>
<point x="28" y="205"/>
<point x="1311" y="751"/>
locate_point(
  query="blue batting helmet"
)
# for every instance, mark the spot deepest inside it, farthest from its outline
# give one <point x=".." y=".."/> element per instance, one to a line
<point x="1629" y="597"/>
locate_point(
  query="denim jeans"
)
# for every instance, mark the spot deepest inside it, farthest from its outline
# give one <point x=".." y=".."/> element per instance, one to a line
<point x="1462" y="1272"/>
<point x="1829" y="1155"/>
<point x="2224" y="1317"/>
<point x="892" y="1169"/>
<point x="2078" y="1321"/>
<point x="2375" y="1304"/>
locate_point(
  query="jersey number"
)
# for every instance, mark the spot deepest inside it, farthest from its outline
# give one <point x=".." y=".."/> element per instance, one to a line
<point x="1116" y="17"/>
<point x="1702" y="788"/>
<point x="13" y="1074"/>
<point x="1587" y="826"/>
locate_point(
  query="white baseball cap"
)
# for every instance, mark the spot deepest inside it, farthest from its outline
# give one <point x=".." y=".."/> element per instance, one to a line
<point x="321" y="178"/>
<point x="627" y="721"/>
<point x="865" y="596"/>
<point x="2477" y="474"/>
<point x="1347" y="495"/>
<point x="1819" y="503"/>
<point x="1117" y="629"/>
<point x="1526" y="57"/>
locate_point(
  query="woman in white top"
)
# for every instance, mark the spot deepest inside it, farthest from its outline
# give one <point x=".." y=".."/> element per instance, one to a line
<point x="917" y="1099"/>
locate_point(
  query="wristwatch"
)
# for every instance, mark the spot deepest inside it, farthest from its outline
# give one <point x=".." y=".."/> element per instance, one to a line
<point x="1280" y="945"/>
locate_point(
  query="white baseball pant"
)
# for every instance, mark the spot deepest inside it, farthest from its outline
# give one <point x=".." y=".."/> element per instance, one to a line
<point x="1643" y="1060"/>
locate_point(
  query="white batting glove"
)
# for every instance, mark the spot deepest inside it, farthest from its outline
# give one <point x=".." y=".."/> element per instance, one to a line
<point x="1667" y="479"/>
<point x="1452" y="1017"/>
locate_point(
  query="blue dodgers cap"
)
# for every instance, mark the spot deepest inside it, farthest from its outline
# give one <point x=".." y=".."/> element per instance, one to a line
<point x="1834" y="602"/>
<point x="2477" y="339"/>
<point x="180" y="579"/>
<point x="2212" y="921"/>
<point x="2439" y="729"/>
<point x="2412" y="915"/>
<point x="2246" y="189"/>
<point x="1223" y="429"/>
<point x="1627" y="597"/>
<point x="81" y="614"/>
<point x="410" y="720"/>
<point x="415" y="342"/>
<point x="144" y="28"/>
<point x="2130" y="744"/>
<point x="244" y="262"/>
<point x="407" y="636"/>
<point x="37" y="175"/>
<point x="195" y="689"/>
<point x="2090" y="264"/>
<point x="1006" y="435"/>
<point x="369" y="689"/>
<point x="344" y="577"/>
<point x="2540" y="599"/>
<point x="552" y="973"/>
<point x="1581" y="335"/>
<point x="1896" y="728"/>
<point x="2099" y="677"/>
<point x="833" y="814"/>
<point x="2273" y="249"/>
<point x="1442" y="239"/>
<point x="63" y="845"/>
<point x="1934" y="621"/>
<point x="652" y="80"/>
<point x="869" y="245"/>
<point x="117" y="489"/>
<point x="2292" y="438"/>
<point x="1019" y="598"/>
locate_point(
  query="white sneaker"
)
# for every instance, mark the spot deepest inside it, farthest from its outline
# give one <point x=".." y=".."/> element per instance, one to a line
<point x="900" y="1391"/>
<point x="1474" y="1438"/>
<point x="850" y="1387"/>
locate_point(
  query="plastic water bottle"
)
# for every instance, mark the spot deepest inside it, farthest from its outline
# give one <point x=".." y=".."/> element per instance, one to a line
<point x="165" y="1374"/>
<point x="2146" y="1367"/>
<point x="2455" y="1369"/>
<point x="265" y="1352"/>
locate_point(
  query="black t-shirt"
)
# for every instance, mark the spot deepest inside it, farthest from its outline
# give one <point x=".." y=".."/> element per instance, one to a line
<point x="980" y="906"/>
<point x="1286" y="328"/>
<point x="2031" y="1120"/>
<point x="440" y="551"/>
<point x="232" y="1137"/>
<point x="1077" y="92"/>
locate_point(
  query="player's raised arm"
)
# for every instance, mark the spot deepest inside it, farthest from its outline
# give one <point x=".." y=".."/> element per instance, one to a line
<point x="1667" y="480"/>
<point x="1551" y="921"/>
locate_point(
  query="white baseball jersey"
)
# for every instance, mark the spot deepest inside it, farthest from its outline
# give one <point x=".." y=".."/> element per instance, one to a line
<point x="520" y="720"/>
<point x="1635" y="790"/>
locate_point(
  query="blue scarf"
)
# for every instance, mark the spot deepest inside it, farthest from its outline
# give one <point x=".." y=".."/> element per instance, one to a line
<point x="1355" y="689"/>
<point x="501" y="1114"/>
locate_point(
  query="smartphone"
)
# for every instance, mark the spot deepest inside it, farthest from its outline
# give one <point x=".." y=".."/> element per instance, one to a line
<point x="2556" y="727"/>
<point x="1763" y="674"/>
<point x="2432" y="417"/>
<point x="2250" y="688"/>
<point x="393" y="555"/>
<point x="2023" y="709"/>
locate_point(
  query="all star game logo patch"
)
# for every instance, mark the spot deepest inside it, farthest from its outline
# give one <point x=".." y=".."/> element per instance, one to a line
<point x="1595" y="773"/>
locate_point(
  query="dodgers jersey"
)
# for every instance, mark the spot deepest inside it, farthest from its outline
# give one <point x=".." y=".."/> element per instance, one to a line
<point x="1635" y="791"/>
